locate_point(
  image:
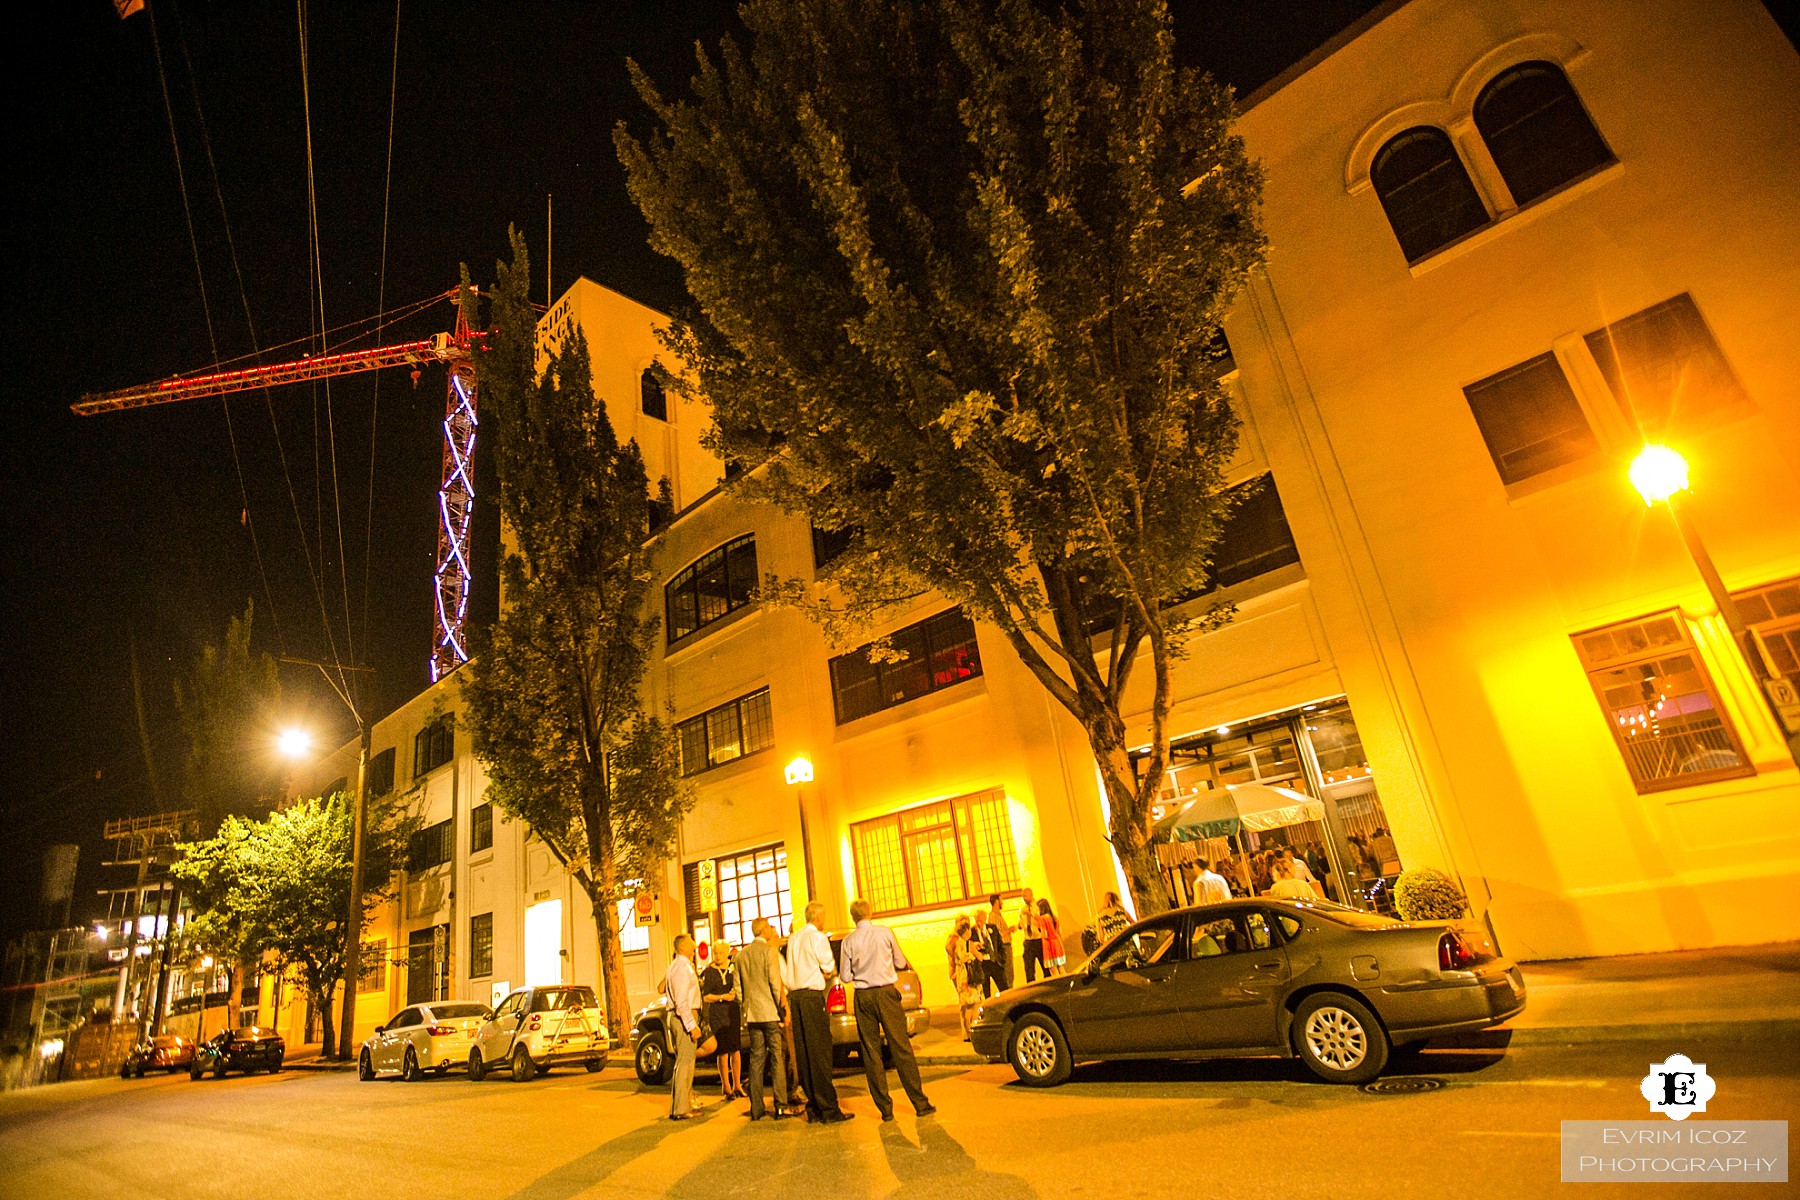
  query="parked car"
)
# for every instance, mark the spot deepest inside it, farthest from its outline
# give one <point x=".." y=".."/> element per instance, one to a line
<point x="652" y="1052"/>
<point x="165" y="1052"/>
<point x="424" y="1037"/>
<point x="537" y="1028"/>
<point x="248" y="1049"/>
<point x="1336" y="987"/>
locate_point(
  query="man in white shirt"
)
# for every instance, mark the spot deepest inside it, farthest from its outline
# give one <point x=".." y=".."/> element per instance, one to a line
<point x="872" y="962"/>
<point x="683" y="987"/>
<point x="1211" y="886"/>
<point x="810" y="965"/>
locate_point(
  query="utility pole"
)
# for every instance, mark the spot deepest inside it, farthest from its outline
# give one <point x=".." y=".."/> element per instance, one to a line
<point x="358" y="831"/>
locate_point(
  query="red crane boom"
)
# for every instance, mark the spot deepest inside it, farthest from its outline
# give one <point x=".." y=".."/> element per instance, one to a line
<point x="456" y="494"/>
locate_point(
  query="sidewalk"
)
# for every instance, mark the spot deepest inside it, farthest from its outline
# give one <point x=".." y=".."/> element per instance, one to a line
<point x="1741" y="993"/>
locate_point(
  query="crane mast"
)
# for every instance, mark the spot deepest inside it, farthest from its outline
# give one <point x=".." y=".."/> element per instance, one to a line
<point x="456" y="491"/>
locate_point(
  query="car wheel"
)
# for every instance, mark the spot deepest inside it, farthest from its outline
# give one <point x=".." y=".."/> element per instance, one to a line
<point x="365" y="1070"/>
<point x="219" y="1071"/>
<point x="443" y="1069"/>
<point x="1339" y="1039"/>
<point x="275" y="1067"/>
<point x="1039" y="1052"/>
<point x="477" y="1068"/>
<point x="595" y="1065"/>
<point x="652" y="1059"/>
<point x="523" y="1069"/>
<point x="409" y="1067"/>
<point x="194" y="1074"/>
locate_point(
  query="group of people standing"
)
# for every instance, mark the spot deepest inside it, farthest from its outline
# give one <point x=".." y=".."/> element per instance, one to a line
<point x="981" y="955"/>
<point x="780" y="1003"/>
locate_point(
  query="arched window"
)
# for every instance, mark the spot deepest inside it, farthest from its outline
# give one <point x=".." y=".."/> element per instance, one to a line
<point x="1425" y="191"/>
<point x="1537" y="130"/>
<point x="655" y="403"/>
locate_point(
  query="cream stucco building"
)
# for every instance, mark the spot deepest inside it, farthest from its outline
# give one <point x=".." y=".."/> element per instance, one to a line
<point x="1510" y="243"/>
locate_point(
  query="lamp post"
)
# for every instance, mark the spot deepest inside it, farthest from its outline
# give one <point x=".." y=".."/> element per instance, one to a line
<point x="800" y="773"/>
<point x="1660" y="476"/>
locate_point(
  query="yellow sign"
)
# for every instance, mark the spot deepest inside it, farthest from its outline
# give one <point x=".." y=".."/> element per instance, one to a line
<point x="709" y="885"/>
<point x="644" y="909"/>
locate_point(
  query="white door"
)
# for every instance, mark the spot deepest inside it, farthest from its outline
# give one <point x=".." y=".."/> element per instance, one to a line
<point x="543" y="944"/>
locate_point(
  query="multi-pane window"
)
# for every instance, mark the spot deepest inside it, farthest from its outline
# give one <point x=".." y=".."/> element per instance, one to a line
<point x="1660" y="704"/>
<point x="481" y="945"/>
<point x="381" y="773"/>
<point x="481" y="827"/>
<point x="371" y="967"/>
<point x="1664" y="366"/>
<point x="428" y="965"/>
<point x="935" y="854"/>
<point x="936" y="653"/>
<point x="652" y="398"/>
<point x="632" y="936"/>
<point x="430" y="847"/>
<point x="726" y="733"/>
<point x="1535" y="127"/>
<point x="751" y="884"/>
<point x="1530" y="419"/>
<point x="1425" y="191"/>
<point x="1255" y="538"/>
<point x="719" y="583"/>
<point x="1773" y="614"/>
<point x="433" y="746"/>
<point x="828" y="544"/>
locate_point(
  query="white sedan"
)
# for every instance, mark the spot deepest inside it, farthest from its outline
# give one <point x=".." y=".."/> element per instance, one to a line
<point x="425" y="1037"/>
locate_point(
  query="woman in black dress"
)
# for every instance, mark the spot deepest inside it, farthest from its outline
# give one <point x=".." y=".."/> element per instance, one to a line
<point x="719" y="992"/>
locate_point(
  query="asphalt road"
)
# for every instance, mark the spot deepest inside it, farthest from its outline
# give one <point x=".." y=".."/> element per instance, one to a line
<point x="1259" y="1130"/>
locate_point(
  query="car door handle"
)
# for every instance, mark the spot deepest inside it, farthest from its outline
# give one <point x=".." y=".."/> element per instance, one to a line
<point x="1269" y="966"/>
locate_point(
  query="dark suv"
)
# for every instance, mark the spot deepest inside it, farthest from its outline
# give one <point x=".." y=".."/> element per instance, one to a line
<point x="248" y="1049"/>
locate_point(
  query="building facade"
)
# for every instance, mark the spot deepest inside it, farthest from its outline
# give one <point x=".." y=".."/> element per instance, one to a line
<point x="1511" y="244"/>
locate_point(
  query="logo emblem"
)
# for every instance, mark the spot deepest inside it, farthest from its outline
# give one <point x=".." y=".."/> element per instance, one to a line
<point x="1678" y="1087"/>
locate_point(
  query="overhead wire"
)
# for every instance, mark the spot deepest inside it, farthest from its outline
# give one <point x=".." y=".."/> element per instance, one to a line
<point x="387" y="188"/>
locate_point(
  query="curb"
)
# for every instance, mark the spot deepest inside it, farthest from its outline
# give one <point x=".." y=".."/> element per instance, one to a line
<point x="318" y="1064"/>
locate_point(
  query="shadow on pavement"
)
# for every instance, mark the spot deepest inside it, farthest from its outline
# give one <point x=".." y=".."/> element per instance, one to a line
<point x="573" y="1178"/>
<point x="1092" y="1077"/>
<point x="938" y="1165"/>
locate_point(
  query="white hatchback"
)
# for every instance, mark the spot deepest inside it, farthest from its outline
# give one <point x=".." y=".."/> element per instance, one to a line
<point x="537" y="1028"/>
<point x="425" y="1037"/>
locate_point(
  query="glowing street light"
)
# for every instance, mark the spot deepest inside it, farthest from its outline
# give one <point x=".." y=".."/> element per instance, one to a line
<point x="294" y="742"/>
<point x="1660" y="475"/>
<point x="800" y="773"/>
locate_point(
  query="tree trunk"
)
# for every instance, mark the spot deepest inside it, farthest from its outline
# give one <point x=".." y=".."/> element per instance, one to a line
<point x="606" y="925"/>
<point x="327" y="1035"/>
<point x="1128" y="823"/>
<point x="234" y="980"/>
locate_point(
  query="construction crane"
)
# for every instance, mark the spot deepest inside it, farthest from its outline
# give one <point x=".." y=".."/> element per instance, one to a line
<point x="456" y="494"/>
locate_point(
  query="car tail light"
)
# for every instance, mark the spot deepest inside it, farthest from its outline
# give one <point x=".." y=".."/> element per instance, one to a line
<point x="1455" y="953"/>
<point x="440" y="1030"/>
<point x="537" y="1022"/>
<point x="836" y="1001"/>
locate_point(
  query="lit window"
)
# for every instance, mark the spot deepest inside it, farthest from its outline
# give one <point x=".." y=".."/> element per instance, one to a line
<point x="935" y="854"/>
<point x="1425" y="191"/>
<point x="632" y="936"/>
<point x="1664" y="366"/>
<point x="751" y="884"/>
<point x="1660" y="704"/>
<point x="1530" y="419"/>
<point x="719" y="583"/>
<point x="936" y="653"/>
<point x="726" y="733"/>
<point x="1773" y="613"/>
<point x="1537" y="131"/>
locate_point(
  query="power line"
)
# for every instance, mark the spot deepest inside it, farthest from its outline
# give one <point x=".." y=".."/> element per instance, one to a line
<point x="387" y="188"/>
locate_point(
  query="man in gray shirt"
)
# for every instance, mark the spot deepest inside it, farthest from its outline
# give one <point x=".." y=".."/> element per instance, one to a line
<point x="871" y="960"/>
<point x="759" y="983"/>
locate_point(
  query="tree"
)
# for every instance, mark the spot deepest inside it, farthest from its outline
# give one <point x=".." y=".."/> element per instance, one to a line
<point x="211" y="874"/>
<point x="554" y="689"/>
<point x="282" y="885"/>
<point x="231" y="692"/>
<point x="958" y="270"/>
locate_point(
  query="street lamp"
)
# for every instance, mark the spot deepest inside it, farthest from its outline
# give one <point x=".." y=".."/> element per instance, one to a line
<point x="294" y="743"/>
<point x="800" y="773"/>
<point x="1660" y="475"/>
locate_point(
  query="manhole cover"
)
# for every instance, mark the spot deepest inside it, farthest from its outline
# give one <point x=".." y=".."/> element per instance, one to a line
<point x="1403" y="1085"/>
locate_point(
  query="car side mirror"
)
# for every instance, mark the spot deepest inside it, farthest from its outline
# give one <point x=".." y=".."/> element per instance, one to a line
<point x="381" y="1029"/>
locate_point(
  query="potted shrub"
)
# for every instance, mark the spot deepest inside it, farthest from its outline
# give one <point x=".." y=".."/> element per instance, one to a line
<point x="1425" y="894"/>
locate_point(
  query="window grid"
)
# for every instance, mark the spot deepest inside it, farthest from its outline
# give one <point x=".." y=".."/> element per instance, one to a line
<point x="734" y="730"/>
<point x="430" y="847"/>
<point x="1773" y="613"/>
<point x="941" y="651"/>
<point x="1530" y="419"/>
<point x="1660" y="704"/>
<point x="371" y="969"/>
<point x="752" y="883"/>
<point x="481" y="828"/>
<point x="434" y="746"/>
<point x="1664" y="367"/>
<point x="1537" y="131"/>
<point x="935" y="854"/>
<point x="1425" y="191"/>
<point x="481" y="945"/>
<point x="715" y="585"/>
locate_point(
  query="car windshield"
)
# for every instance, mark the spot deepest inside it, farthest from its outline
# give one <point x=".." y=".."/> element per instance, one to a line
<point x="451" y="1012"/>
<point x="554" y="1000"/>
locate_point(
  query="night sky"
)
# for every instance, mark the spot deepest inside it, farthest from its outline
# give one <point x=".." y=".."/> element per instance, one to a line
<point x="141" y="528"/>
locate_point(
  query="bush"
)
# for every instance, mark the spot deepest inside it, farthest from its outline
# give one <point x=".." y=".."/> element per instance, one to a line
<point x="1428" y="895"/>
